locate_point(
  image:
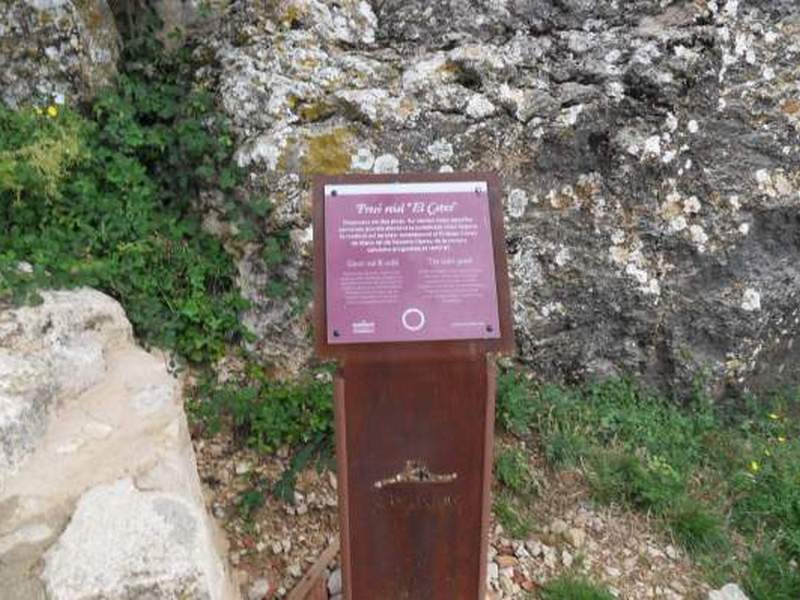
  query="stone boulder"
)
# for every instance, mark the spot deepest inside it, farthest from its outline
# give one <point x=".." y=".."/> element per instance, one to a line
<point x="650" y="153"/>
<point x="61" y="50"/>
<point x="99" y="492"/>
<point x="56" y="350"/>
<point x="730" y="591"/>
<point x="123" y="542"/>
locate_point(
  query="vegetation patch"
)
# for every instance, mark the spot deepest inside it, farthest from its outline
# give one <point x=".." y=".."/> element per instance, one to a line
<point x="512" y="514"/>
<point x="267" y="414"/>
<point x="514" y="473"/>
<point x="709" y="474"/>
<point x="573" y="588"/>
<point x="517" y="490"/>
<point x="105" y="199"/>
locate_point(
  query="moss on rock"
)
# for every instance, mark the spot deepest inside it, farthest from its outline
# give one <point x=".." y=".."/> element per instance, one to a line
<point x="328" y="153"/>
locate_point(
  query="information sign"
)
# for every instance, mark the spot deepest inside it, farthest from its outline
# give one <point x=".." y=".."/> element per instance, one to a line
<point x="409" y="262"/>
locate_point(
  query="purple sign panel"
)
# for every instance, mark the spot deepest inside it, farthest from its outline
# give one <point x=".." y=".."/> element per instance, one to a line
<point x="409" y="262"/>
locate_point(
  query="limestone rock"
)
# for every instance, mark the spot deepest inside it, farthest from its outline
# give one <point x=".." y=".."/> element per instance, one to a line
<point x="259" y="589"/>
<point x="99" y="483"/>
<point x="26" y="392"/>
<point x="55" y="50"/>
<point x="180" y="15"/>
<point x="730" y="591"/>
<point x="649" y="151"/>
<point x="56" y="348"/>
<point x="125" y="543"/>
<point x="335" y="582"/>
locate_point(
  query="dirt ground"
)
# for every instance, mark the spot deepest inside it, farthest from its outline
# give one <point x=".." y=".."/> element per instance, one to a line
<point x="273" y="544"/>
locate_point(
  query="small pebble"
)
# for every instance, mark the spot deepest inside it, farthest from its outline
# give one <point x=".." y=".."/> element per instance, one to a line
<point x="259" y="590"/>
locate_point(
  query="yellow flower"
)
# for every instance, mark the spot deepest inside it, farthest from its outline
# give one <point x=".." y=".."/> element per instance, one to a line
<point x="781" y="439"/>
<point x="754" y="466"/>
<point x="767" y="452"/>
<point x="52" y="111"/>
<point x="773" y="416"/>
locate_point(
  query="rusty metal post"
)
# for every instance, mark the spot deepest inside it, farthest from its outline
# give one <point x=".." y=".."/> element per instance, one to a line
<point x="414" y="451"/>
<point x="414" y="437"/>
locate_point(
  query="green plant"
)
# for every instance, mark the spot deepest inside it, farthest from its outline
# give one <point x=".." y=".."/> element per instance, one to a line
<point x="769" y="577"/>
<point x="512" y="516"/>
<point x="108" y="201"/>
<point x="696" y="527"/>
<point x="650" y="484"/>
<point x="566" y="448"/>
<point x="513" y="471"/>
<point x="518" y="486"/>
<point x="290" y="413"/>
<point x="37" y="149"/>
<point x="568" y="587"/>
<point x="317" y="451"/>
<point x="266" y="414"/>
<point x="514" y="408"/>
<point x="250" y="500"/>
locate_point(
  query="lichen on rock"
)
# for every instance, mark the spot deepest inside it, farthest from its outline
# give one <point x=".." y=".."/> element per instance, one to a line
<point x="56" y="49"/>
<point x="327" y="152"/>
<point x="649" y="155"/>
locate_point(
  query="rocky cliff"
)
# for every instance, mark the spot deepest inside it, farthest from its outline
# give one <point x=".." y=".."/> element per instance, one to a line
<point x="649" y="151"/>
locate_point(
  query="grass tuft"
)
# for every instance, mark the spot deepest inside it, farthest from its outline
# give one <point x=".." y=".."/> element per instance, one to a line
<point x="696" y="527"/>
<point x="573" y="588"/>
<point x="647" y="484"/>
<point x="512" y="515"/>
<point x="514" y="472"/>
<point x="769" y="577"/>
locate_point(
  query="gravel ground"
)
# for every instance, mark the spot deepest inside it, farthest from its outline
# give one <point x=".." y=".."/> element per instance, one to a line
<point x="277" y="542"/>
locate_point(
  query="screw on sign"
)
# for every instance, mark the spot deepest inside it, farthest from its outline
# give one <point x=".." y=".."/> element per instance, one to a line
<point x="412" y="299"/>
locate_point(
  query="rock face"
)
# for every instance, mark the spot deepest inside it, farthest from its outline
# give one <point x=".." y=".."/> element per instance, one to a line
<point x="55" y="49"/>
<point x="99" y="493"/>
<point x="649" y="150"/>
<point x="180" y="14"/>
<point x="125" y="543"/>
<point x="48" y="352"/>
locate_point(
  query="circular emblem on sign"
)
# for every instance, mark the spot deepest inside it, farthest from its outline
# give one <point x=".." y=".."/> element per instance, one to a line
<point x="413" y="319"/>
